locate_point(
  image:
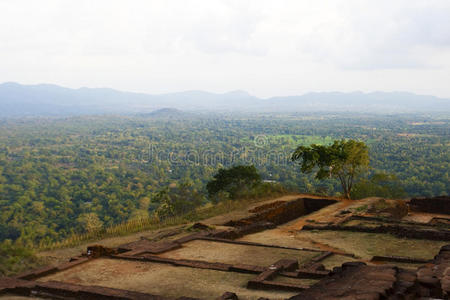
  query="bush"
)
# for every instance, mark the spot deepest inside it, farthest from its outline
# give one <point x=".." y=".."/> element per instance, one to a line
<point x="15" y="258"/>
<point x="237" y="181"/>
<point x="378" y="185"/>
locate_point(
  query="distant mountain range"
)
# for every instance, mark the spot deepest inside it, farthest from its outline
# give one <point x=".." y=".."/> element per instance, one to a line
<point x="47" y="100"/>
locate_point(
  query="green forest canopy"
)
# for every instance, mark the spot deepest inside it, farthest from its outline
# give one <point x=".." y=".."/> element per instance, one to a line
<point x="65" y="175"/>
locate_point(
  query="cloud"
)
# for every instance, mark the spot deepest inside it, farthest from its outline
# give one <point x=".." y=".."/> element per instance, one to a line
<point x="212" y="27"/>
<point x="382" y="35"/>
<point x="267" y="47"/>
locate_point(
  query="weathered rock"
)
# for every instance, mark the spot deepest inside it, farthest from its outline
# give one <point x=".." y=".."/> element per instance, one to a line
<point x="146" y="246"/>
<point x="228" y="296"/>
<point x="95" y="251"/>
<point x="396" y="230"/>
<point x="353" y="281"/>
<point x="283" y="212"/>
<point x="433" y="279"/>
<point x="37" y="273"/>
<point x="437" y="205"/>
<point x="200" y="226"/>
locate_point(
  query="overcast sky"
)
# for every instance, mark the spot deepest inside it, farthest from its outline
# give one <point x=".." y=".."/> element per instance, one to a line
<point x="267" y="48"/>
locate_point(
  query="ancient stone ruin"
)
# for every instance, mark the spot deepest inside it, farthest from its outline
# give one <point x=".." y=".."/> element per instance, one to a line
<point x="436" y="205"/>
<point x="265" y="270"/>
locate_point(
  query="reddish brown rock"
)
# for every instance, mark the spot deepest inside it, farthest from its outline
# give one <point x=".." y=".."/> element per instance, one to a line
<point x="353" y="281"/>
<point x="282" y="212"/>
<point x="37" y="273"/>
<point x="228" y="296"/>
<point x="146" y="246"/>
<point x="95" y="251"/>
<point x="437" y="205"/>
<point x="433" y="279"/>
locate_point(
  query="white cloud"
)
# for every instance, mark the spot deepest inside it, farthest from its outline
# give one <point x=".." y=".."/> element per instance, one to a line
<point x="267" y="47"/>
<point x="383" y="35"/>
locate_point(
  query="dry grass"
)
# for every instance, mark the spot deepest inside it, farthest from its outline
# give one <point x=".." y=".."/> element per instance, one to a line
<point x="336" y="261"/>
<point x="126" y="228"/>
<point x="153" y="223"/>
<point x="61" y="255"/>
<point x="222" y="213"/>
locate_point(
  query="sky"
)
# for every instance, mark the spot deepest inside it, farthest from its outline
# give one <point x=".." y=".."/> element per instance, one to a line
<point x="267" y="48"/>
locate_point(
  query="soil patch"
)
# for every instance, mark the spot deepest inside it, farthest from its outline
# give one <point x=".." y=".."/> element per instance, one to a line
<point x="295" y="239"/>
<point x="336" y="261"/>
<point x="164" y="280"/>
<point x="236" y="254"/>
<point x="366" y="245"/>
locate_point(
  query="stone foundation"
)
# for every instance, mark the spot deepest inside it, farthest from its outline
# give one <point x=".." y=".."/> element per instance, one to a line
<point x="436" y="205"/>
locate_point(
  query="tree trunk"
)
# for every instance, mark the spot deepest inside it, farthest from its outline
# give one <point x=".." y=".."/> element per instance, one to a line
<point x="345" y="187"/>
<point x="347" y="195"/>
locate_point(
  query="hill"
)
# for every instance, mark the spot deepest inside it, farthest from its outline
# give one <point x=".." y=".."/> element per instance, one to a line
<point x="166" y="113"/>
<point x="45" y="99"/>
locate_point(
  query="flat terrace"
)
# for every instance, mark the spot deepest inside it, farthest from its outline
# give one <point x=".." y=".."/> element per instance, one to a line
<point x="272" y="251"/>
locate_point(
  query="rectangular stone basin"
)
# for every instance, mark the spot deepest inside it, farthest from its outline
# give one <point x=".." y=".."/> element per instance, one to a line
<point x="236" y="254"/>
<point x="162" y="279"/>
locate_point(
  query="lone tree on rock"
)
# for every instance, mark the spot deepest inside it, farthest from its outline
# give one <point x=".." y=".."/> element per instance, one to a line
<point x="344" y="159"/>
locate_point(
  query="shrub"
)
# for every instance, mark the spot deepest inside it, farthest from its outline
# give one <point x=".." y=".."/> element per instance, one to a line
<point x="15" y="258"/>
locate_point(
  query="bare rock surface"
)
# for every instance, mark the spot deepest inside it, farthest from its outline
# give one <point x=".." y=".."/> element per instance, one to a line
<point x="353" y="281"/>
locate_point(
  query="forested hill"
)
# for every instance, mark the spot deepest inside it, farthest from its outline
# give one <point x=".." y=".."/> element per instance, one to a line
<point x="46" y="99"/>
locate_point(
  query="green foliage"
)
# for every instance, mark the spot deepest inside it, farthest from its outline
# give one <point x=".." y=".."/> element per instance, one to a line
<point x="344" y="159"/>
<point x="166" y="206"/>
<point x="361" y="208"/>
<point x="379" y="185"/>
<point x="55" y="170"/>
<point x="90" y="222"/>
<point x="236" y="181"/>
<point x="8" y="232"/>
<point x="15" y="258"/>
<point x="178" y="201"/>
<point x="154" y="222"/>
